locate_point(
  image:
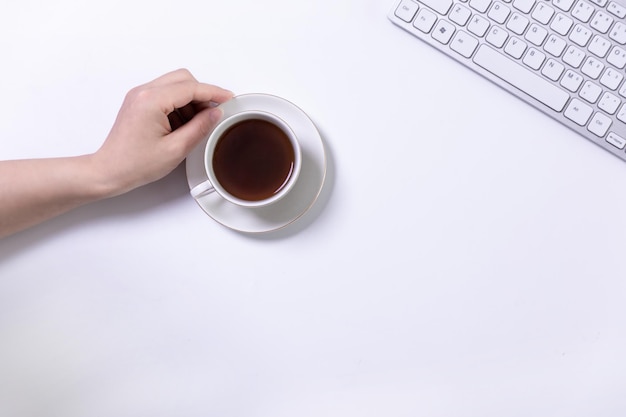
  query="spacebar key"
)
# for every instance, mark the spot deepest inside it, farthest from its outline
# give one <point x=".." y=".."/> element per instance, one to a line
<point x="521" y="78"/>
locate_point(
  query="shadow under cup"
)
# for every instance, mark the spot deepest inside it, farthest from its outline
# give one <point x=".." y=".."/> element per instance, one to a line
<point x="252" y="159"/>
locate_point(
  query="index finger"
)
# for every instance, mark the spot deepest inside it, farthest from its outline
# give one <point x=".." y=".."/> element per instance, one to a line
<point x="179" y="94"/>
<point x="178" y="75"/>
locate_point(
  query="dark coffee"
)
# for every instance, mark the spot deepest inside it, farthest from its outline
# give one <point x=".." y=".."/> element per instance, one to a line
<point x="253" y="160"/>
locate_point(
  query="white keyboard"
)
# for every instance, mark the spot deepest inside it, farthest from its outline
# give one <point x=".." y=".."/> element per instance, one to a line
<point x="565" y="57"/>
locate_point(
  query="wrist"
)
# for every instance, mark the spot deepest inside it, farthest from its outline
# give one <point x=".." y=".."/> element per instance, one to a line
<point x="100" y="181"/>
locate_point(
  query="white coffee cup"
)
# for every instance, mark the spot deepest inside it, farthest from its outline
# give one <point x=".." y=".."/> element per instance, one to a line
<point x="245" y="138"/>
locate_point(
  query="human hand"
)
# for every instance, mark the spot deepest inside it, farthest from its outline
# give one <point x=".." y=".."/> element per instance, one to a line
<point x="158" y="124"/>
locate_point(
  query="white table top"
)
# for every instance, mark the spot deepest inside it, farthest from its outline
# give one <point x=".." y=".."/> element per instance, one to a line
<point x="465" y="257"/>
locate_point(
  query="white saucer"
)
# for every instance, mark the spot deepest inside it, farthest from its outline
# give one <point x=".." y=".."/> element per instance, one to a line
<point x="300" y="198"/>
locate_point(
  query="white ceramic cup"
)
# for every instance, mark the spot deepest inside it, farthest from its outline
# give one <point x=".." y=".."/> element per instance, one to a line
<point x="213" y="185"/>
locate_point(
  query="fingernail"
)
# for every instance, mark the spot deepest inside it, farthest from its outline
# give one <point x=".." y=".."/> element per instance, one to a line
<point x="215" y="114"/>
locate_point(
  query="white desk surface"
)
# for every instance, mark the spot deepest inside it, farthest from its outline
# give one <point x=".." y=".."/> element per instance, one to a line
<point x="466" y="257"/>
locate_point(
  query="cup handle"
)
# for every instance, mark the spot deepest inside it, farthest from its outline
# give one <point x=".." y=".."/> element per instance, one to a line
<point x="204" y="187"/>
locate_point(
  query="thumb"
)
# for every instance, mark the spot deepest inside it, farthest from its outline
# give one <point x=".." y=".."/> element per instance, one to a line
<point x="198" y="128"/>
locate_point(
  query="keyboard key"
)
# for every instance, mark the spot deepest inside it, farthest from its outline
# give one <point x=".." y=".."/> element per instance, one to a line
<point x="480" y="5"/>
<point x="497" y="36"/>
<point x="592" y="68"/>
<point x="538" y="49"/>
<point x="543" y="13"/>
<point x="517" y="23"/>
<point x="564" y="5"/>
<point x="440" y="6"/>
<point x="599" y="46"/>
<point x="425" y="20"/>
<point x="553" y="69"/>
<point x="536" y="34"/>
<point x="406" y="10"/>
<point x="534" y="58"/>
<point x="616" y="140"/>
<point x="580" y="35"/>
<point x="599" y="124"/>
<point x="555" y="45"/>
<point x="521" y="78"/>
<point x="600" y="3"/>
<point x="583" y="11"/>
<point x="478" y="26"/>
<point x="464" y="44"/>
<point x="622" y="91"/>
<point x="609" y="103"/>
<point x="561" y="24"/>
<point x="616" y="10"/>
<point x="574" y="56"/>
<point x="499" y="12"/>
<point x="515" y="48"/>
<point x="524" y="6"/>
<point x="443" y="31"/>
<point x="611" y="78"/>
<point x="618" y="33"/>
<point x="460" y="14"/>
<point x="601" y="22"/>
<point x="590" y="92"/>
<point x="571" y="81"/>
<point x="617" y="57"/>
<point x="578" y="112"/>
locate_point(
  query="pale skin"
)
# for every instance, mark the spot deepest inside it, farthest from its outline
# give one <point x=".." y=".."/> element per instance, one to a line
<point x="158" y="124"/>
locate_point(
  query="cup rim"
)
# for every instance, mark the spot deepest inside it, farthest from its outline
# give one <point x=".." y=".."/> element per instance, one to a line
<point x="225" y="124"/>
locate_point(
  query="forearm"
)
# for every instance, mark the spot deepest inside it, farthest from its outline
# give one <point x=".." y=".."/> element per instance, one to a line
<point x="35" y="190"/>
<point x="143" y="146"/>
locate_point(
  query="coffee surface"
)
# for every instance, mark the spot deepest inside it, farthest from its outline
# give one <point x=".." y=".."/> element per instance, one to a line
<point x="253" y="160"/>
